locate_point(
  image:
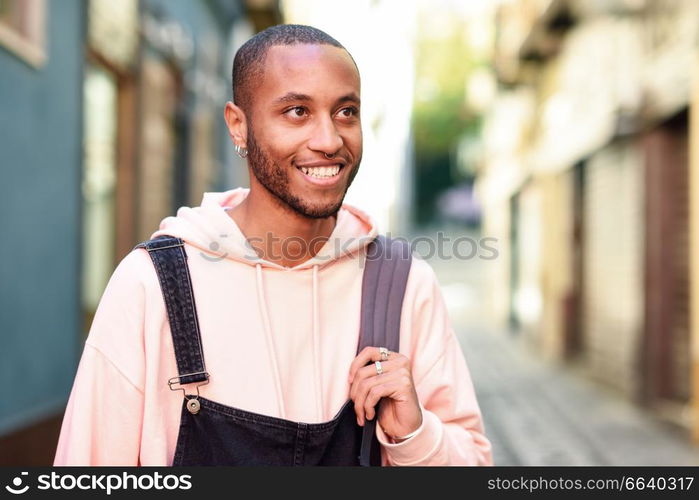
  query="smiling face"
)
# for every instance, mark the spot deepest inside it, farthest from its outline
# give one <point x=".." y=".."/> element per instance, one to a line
<point x="305" y="109"/>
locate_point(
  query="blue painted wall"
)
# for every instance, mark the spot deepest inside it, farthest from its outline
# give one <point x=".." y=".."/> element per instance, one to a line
<point x="40" y="168"/>
<point x="219" y="18"/>
<point x="40" y="204"/>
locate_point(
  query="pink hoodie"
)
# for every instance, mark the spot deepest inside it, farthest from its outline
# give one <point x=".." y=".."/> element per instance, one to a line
<point x="276" y="340"/>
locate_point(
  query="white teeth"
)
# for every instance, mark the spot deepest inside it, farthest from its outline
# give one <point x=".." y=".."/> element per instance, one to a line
<point x="321" y="172"/>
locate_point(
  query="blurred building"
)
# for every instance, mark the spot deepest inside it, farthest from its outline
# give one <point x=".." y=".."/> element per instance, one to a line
<point x="111" y="117"/>
<point x="383" y="51"/>
<point x="586" y="184"/>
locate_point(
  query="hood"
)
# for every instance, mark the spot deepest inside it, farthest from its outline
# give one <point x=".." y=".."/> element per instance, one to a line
<point x="210" y="229"/>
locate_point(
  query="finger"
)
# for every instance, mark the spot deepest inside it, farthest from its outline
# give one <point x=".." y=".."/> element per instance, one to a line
<point x="370" y="371"/>
<point x="366" y="355"/>
<point x="363" y="388"/>
<point x="378" y="391"/>
<point x="399" y="372"/>
<point x="395" y="362"/>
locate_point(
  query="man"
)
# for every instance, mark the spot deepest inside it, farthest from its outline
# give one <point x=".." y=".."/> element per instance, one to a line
<point x="276" y="277"/>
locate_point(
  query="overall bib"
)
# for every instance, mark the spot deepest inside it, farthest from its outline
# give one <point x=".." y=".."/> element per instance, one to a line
<point x="212" y="433"/>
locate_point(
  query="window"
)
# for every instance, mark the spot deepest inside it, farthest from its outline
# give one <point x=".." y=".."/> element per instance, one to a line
<point x="98" y="185"/>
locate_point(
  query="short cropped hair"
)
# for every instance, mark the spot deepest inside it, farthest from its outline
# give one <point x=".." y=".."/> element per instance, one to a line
<point x="248" y="63"/>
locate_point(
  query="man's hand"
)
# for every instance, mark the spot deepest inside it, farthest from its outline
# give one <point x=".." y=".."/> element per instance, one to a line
<point x="399" y="411"/>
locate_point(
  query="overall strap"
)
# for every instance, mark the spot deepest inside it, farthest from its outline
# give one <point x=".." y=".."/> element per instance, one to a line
<point x="170" y="261"/>
<point x="385" y="277"/>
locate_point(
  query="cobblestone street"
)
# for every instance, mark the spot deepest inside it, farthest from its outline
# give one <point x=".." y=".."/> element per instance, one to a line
<point x="538" y="413"/>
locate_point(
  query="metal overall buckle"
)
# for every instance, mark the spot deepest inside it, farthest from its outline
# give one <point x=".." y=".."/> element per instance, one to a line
<point x="192" y="402"/>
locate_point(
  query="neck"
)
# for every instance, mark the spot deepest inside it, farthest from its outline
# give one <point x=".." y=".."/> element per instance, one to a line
<point x="277" y="233"/>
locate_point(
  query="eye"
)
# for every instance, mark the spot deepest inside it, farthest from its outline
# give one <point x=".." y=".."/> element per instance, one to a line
<point x="349" y="112"/>
<point x="296" y="112"/>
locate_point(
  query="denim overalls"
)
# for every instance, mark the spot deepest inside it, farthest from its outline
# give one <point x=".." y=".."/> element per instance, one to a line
<point x="211" y="433"/>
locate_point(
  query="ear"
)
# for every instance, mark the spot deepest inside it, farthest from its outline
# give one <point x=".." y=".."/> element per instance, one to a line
<point x="237" y="124"/>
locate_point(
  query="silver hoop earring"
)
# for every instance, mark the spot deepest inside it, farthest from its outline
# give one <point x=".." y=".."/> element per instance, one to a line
<point x="242" y="152"/>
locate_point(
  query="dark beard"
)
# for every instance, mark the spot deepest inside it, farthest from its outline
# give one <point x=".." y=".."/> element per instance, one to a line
<point x="275" y="179"/>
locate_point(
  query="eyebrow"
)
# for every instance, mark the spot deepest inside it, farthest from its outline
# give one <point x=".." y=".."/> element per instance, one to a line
<point x="348" y="97"/>
<point x="295" y="96"/>
<point x="291" y="97"/>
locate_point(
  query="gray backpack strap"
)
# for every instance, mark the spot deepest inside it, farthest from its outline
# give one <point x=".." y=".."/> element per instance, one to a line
<point x="385" y="277"/>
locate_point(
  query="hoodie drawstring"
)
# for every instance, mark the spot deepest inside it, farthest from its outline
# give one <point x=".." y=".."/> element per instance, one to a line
<point x="270" y="342"/>
<point x="316" y="346"/>
<point x="315" y="341"/>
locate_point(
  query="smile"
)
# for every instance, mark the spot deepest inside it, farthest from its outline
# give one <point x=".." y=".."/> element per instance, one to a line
<point x="322" y="176"/>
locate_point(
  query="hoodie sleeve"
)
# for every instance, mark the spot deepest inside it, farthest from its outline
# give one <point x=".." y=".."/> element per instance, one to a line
<point x="452" y="430"/>
<point x="103" y="418"/>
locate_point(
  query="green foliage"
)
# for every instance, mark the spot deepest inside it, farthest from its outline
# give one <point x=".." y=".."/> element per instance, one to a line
<point x="440" y="114"/>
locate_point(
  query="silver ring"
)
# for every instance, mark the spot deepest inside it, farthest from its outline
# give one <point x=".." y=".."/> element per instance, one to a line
<point x="328" y="156"/>
<point x="384" y="353"/>
<point x="379" y="368"/>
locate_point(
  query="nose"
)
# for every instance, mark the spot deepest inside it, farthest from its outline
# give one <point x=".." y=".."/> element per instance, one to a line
<point x="325" y="138"/>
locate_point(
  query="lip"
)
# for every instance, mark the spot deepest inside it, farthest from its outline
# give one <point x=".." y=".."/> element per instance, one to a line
<point x="324" y="182"/>
<point x="322" y="163"/>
